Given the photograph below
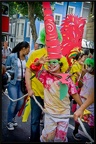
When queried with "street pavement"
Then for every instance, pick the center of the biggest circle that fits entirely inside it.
(22, 131)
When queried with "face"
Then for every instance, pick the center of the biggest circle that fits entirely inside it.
(89, 69)
(83, 58)
(36, 46)
(26, 50)
(54, 66)
(6, 44)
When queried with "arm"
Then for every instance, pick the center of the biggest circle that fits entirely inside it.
(28, 81)
(37, 64)
(74, 93)
(79, 112)
(8, 61)
(77, 98)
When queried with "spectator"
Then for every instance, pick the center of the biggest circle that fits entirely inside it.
(15, 59)
(5, 52)
(38, 44)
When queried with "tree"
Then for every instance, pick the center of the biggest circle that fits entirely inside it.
(31, 9)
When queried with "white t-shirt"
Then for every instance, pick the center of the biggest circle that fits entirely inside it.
(88, 89)
(88, 85)
(19, 68)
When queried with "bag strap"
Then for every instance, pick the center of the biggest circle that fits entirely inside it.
(21, 70)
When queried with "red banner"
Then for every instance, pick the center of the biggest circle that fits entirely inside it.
(5, 24)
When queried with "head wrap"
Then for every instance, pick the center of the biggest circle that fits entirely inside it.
(89, 61)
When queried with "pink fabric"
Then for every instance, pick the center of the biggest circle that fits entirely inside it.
(61, 133)
(45, 77)
(91, 120)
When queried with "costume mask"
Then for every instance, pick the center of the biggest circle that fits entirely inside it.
(53, 65)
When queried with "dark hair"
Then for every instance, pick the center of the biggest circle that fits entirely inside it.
(61, 64)
(19, 46)
(81, 54)
(77, 56)
(86, 51)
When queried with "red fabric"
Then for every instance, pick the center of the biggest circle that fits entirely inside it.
(22, 108)
(34, 67)
(72, 32)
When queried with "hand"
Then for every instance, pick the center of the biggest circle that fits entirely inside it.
(43, 59)
(78, 114)
(30, 92)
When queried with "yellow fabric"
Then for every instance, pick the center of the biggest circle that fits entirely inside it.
(76, 68)
(27, 111)
(37, 86)
(86, 112)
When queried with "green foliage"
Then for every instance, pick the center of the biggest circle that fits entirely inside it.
(22, 8)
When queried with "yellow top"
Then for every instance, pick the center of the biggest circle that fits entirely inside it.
(76, 68)
(37, 86)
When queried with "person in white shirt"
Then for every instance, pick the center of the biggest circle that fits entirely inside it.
(5, 52)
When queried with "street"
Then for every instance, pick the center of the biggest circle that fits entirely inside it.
(22, 131)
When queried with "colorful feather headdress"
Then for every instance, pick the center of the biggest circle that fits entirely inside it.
(72, 28)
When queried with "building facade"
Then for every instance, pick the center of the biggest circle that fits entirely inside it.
(20, 26)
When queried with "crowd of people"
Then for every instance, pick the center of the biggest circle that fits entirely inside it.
(44, 92)
(55, 86)
(44, 95)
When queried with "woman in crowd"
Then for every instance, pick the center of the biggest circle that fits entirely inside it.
(17, 61)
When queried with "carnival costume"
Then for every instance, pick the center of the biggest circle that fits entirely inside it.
(57, 87)
(56, 50)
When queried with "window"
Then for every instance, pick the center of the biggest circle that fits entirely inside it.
(13, 28)
(28, 32)
(58, 19)
(22, 28)
(60, 3)
(17, 29)
(71, 10)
